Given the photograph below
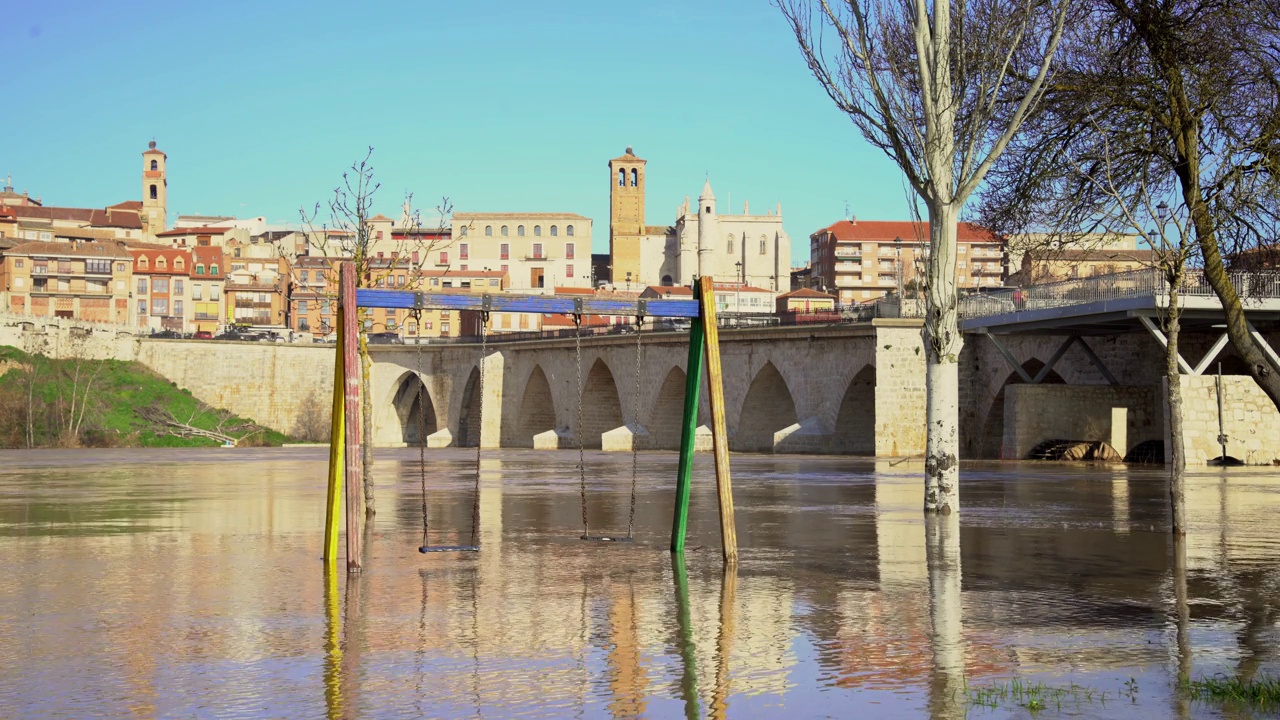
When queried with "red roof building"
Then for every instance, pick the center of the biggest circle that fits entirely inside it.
(863, 260)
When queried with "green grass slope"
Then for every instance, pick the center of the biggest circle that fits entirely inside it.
(105, 403)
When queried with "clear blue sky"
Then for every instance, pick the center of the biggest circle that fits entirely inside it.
(502, 106)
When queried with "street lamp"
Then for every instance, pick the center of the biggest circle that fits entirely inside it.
(897, 244)
(737, 299)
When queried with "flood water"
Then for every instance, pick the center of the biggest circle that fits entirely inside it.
(180, 583)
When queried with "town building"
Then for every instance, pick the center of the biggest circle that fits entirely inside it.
(208, 300)
(1048, 265)
(256, 292)
(805, 301)
(863, 260)
(160, 278)
(1041, 244)
(536, 251)
(195, 236)
(86, 281)
(748, 249)
(313, 295)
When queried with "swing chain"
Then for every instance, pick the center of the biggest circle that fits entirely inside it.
(422, 421)
(582, 468)
(484, 354)
(635, 410)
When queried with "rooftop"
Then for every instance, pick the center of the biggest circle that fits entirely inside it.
(111, 249)
(889, 230)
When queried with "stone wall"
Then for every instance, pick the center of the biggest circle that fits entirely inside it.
(1250, 420)
(286, 387)
(1118, 415)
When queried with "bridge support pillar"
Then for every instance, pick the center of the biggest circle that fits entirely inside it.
(900, 388)
(625, 439)
(493, 375)
(805, 436)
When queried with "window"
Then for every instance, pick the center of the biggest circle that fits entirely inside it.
(159, 307)
(504, 231)
(504, 269)
(464, 251)
(463, 231)
(142, 262)
(413, 327)
(520, 230)
(493, 282)
(378, 236)
(324, 307)
(155, 165)
(213, 269)
(142, 307)
(465, 284)
(97, 267)
(537, 251)
(197, 291)
(554, 231)
(537, 231)
(488, 231)
(635, 177)
(706, 210)
(568, 230)
(213, 292)
(304, 276)
(730, 246)
(153, 192)
(622, 177)
(179, 264)
(444, 258)
(444, 328)
(303, 325)
(435, 281)
(161, 263)
(159, 285)
(568, 251)
(177, 307)
(504, 252)
(236, 253)
(568, 271)
(382, 281)
(302, 307)
(415, 262)
(142, 286)
(463, 268)
(120, 267)
(764, 246)
(199, 269)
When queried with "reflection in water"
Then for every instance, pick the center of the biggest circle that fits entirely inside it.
(946, 688)
(179, 583)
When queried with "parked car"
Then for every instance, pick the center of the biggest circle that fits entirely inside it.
(385, 338)
(233, 335)
(167, 335)
(202, 335)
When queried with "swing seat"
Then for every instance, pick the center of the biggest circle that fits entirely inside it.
(605, 538)
(447, 548)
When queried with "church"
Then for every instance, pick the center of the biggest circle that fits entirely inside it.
(749, 249)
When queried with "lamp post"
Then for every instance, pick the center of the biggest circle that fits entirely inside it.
(737, 299)
(897, 245)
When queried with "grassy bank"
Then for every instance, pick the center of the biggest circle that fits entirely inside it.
(46, 402)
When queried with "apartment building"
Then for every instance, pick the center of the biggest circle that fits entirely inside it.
(87, 281)
(208, 300)
(536, 251)
(863, 260)
(313, 292)
(160, 278)
(257, 292)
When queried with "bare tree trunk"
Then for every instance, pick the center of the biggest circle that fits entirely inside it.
(1173, 378)
(366, 429)
(942, 342)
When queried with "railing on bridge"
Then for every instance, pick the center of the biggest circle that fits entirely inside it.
(1148, 282)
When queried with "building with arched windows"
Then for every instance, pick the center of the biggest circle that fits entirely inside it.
(536, 251)
(748, 249)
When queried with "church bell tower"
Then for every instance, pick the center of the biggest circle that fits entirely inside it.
(155, 188)
(626, 215)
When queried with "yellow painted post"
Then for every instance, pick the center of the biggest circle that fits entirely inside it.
(719, 430)
(337, 429)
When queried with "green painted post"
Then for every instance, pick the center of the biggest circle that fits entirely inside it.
(688, 432)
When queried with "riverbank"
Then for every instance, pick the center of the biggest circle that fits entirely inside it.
(76, 402)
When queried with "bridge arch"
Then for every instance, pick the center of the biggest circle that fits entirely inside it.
(992, 440)
(470, 415)
(537, 409)
(667, 414)
(601, 405)
(414, 409)
(768, 408)
(856, 421)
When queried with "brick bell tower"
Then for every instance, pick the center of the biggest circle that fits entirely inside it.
(626, 215)
(155, 190)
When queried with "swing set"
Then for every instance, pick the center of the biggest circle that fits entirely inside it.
(346, 476)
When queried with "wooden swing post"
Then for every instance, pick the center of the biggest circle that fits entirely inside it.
(350, 349)
(719, 430)
(688, 433)
(336, 454)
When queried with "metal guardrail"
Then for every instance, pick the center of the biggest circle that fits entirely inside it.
(1148, 282)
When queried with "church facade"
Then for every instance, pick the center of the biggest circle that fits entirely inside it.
(748, 249)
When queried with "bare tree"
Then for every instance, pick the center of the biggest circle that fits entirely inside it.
(341, 228)
(941, 90)
(1184, 99)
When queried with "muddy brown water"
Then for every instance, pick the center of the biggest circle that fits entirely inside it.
(180, 583)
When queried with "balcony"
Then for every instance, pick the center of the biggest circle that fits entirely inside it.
(538, 258)
(252, 287)
(207, 316)
(848, 252)
(252, 303)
